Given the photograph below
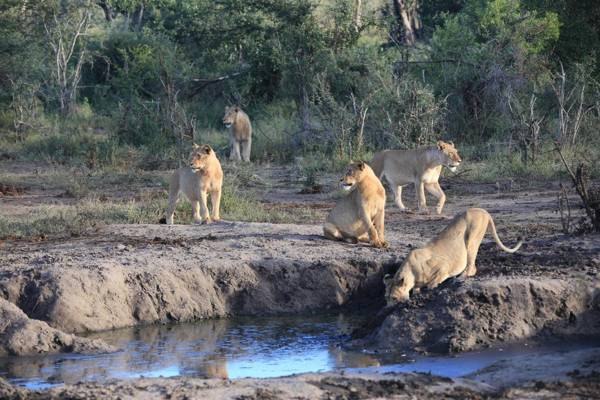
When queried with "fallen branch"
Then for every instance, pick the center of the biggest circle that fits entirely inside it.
(204, 82)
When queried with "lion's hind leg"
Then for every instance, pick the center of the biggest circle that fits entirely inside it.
(397, 190)
(364, 238)
(332, 232)
(474, 238)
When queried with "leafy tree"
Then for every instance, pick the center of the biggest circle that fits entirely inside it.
(484, 54)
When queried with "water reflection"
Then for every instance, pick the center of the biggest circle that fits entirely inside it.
(244, 347)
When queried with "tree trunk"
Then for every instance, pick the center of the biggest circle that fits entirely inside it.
(358, 15)
(138, 17)
(108, 12)
(407, 13)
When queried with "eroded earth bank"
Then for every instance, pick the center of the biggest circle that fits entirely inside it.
(125, 275)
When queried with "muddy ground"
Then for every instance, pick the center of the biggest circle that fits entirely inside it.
(339, 386)
(123, 275)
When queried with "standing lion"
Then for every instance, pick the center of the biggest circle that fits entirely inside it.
(359, 216)
(419, 166)
(240, 133)
(203, 176)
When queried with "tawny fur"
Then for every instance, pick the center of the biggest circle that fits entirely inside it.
(359, 216)
(449, 254)
(422, 167)
(240, 133)
(202, 177)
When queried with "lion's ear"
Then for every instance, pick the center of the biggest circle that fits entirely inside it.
(207, 149)
(361, 165)
(441, 144)
(236, 109)
(451, 143)
(387, 278)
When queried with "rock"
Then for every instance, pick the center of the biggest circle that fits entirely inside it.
(20, 335)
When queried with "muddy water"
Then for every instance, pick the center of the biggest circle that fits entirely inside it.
(234, 348)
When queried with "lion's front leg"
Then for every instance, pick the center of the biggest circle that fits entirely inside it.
(439, 271)
(376, 241)
(379, 226)
(215, 199)
(204, 208)
(421, 200)
(196, 212)
(235, 150)
(246, 148)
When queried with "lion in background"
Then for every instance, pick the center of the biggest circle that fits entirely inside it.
(358, 217)
(421, 167)
(452, 252)
(240, 133)
(203, 176)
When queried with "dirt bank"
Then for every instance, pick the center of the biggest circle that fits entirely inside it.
(479, 312)
(132, 274)
(20, 335)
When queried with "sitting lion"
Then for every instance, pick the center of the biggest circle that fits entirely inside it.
(449, 254)
(421, 167)
(203, 176)
(359, 215)
(240, 133)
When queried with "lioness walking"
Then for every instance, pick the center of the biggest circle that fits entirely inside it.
(240, 133)
(449, 254)
(421, 167)
(358, 216)
(203, 176)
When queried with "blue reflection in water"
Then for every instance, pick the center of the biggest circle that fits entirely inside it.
(242, 347)
(236, 348)
(280, 364)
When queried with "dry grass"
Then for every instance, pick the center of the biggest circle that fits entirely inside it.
(88, 199)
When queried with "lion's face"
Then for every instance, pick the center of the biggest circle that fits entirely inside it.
(231, 114)
(353, 175)
(451, 158)
(395, 291)
(199, 156)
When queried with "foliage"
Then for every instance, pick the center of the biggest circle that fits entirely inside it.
(153, 75)
(489, 52)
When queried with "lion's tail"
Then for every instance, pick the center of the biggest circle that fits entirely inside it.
(492, 229)
(377, 163)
